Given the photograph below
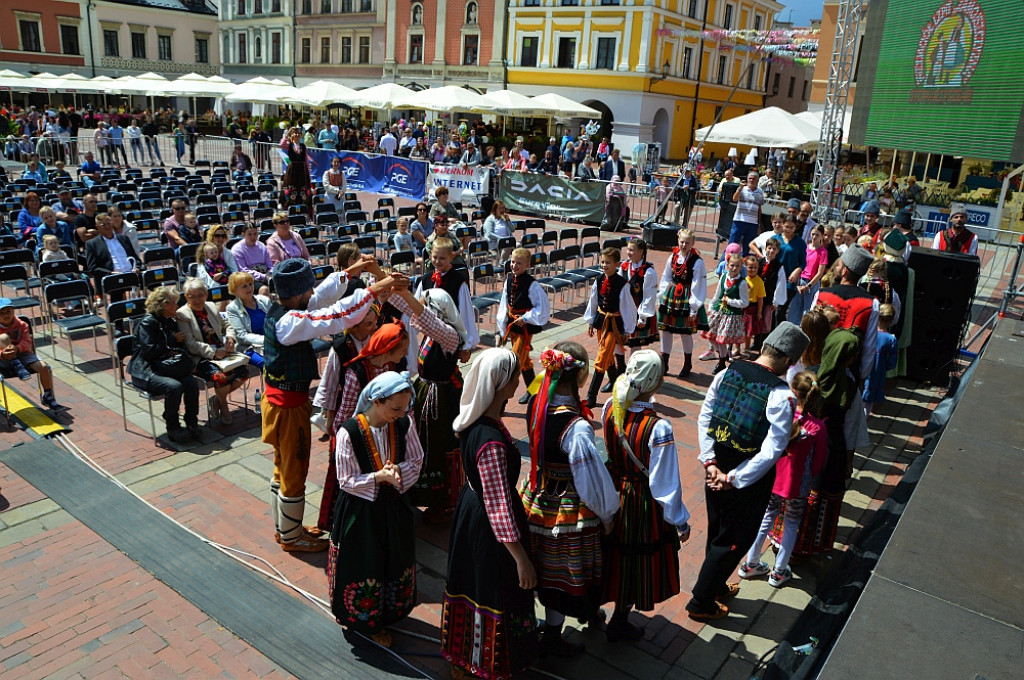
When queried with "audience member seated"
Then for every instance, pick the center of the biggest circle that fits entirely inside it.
(85, 222)
(251, 256)
(109, 253)
(161, 366)
(51, 226)
(496, 227)
(29, 219)
(18, 353)
(216, 263)
(123, 226)
(208, 338)
(90, 170)
(67, 208)
(246, 315)
(285, 243)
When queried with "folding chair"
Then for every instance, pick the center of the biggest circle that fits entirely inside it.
(118, 312)
(484, 301)
(71, 291)
(10, 275)
(405, 261)
(124, 347)
(159, 276)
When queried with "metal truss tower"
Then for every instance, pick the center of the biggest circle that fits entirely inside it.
(840, 74)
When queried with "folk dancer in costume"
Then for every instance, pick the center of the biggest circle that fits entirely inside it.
(371, 567)
(902, 279)
(438, 388)
(743, 428)
(774, 279)
(381, 353)
(569, 496)
(522, 313)
(803, 460)
(642, 279)
(725, 321)
(641, 555)
(335, 186)
(681, 294)
(488, 628)
(455, 282)
(845, 364)
(957, 238)
(611, 314)
(301, 314)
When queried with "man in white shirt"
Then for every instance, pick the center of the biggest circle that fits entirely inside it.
(749, 199)
(109, 253)
(743, 428)
(388, 144)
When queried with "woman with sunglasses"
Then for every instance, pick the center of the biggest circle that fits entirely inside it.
(285, 243)
(421, 227)
(216, 235)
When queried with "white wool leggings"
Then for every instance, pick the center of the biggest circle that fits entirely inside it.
(666, 343)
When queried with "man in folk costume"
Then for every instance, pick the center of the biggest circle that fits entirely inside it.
(743, 428)
(642, 279)
(903, 280)
(611, 314)
(642, 553)
(522, 313)
(957, 238)
(300, 315)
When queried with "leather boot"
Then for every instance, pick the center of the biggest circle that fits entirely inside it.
(664, 363)
(528, 378)
(687, 365)
(595, 386)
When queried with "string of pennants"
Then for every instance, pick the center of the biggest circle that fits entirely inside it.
(798, 46)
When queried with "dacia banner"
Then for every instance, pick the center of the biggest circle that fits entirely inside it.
(463, 183)
(375, 174)
(546, 195)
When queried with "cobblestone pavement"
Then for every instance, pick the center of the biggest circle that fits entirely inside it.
(74, 607)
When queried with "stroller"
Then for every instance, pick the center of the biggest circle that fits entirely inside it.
(616, 212)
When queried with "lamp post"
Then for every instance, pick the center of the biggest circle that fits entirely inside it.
(664, 74)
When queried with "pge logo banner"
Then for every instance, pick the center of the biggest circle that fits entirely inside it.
(404, 177)
(463, 183)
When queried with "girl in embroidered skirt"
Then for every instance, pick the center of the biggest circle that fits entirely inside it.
(568, 496)
(752, 314)
(803, 460)
(642, 280)
(725, 320)
(371, 566)
(381, 353)
(641, 557)
(681, 293)
(488, 628)
(611, 314)
(438, 389)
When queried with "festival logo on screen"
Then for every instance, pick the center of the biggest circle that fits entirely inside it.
(948, 54)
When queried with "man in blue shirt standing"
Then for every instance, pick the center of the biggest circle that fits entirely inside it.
(117, 143)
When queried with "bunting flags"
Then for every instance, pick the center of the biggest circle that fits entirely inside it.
(797, 45)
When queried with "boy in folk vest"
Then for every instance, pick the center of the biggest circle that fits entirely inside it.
(522, 313)
(611, 314)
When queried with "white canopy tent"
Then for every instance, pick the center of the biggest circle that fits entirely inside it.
(195, 85)
(383, 96)
(449, 98)
(320, 94)
(815, 119)
(770, 127)
(565, 107)
(510, 103)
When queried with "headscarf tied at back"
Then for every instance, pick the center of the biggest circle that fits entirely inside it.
(441, 302)
(557, 364)
(643, 373)
(383, 386)
(383, 340)
(491, 371)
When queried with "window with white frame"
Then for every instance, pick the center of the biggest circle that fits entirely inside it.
(111, 43)
(28, 31)
(325, 6)
(257, 6)
(163, 47)
(202, 50)
(687, 61)
(470, 50)
(240, 8)
(325, 50)
(305, 55)
(69, 39)
(416, 48)
(605, 58)
(529, 50)
(727, 19)
(243, 51)
(138, 45)
(275, 47)
(757, 22)
(566, 57)
(346, 50)
(364, 49)
(692, 9)
(723, 64)
(258, 50)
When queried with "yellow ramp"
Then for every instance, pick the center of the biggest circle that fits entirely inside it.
(27, 413)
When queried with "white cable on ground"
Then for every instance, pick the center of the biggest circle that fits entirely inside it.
(276, 576)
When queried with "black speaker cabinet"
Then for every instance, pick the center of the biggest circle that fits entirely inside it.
(660, 235)
(944, 288)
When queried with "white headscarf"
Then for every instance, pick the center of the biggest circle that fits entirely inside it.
(441, 302)
(643, 372)
(489, 373)
(383, 386)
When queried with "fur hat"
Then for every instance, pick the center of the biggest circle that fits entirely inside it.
(788, 339)
(293, 277)
(857, 260)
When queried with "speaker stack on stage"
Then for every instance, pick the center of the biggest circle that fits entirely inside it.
(944, 287)
(660, 235)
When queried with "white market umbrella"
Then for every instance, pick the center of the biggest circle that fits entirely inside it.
(75, 83)
(259, 91)
(195, 85)
(383, 96)
(449, 98)
(815, 118)
(510, 103)
(565, 107)
(12, 80)
(762, 128)
(321, 94)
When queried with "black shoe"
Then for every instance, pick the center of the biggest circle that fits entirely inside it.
(525, 399)
(623, 630)
(720, 367)
(607, 388)
(553, 644)
(178, 435)
(196, 433)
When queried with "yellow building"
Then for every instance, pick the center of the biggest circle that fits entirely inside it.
(629, 59)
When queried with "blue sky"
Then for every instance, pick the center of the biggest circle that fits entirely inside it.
(803, 11)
